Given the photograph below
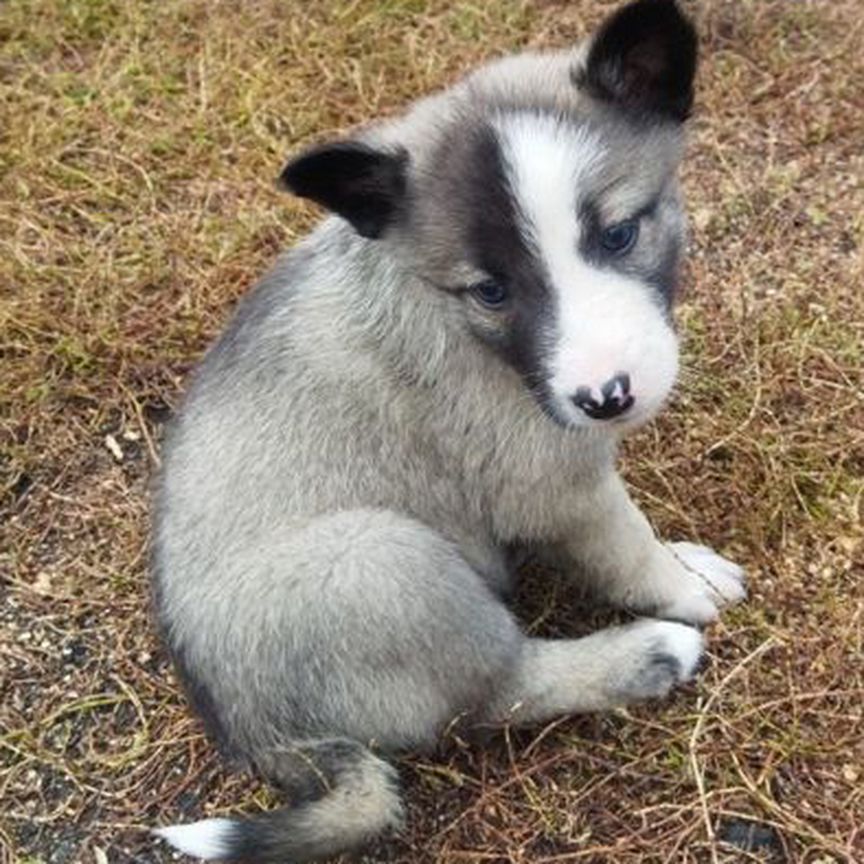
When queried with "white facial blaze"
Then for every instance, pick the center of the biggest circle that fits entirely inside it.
(605, 322)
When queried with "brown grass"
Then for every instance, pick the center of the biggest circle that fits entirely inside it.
(139, 143)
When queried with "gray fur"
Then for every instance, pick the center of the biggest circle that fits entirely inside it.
(349, 470)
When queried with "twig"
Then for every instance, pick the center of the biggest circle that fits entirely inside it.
(699, 726)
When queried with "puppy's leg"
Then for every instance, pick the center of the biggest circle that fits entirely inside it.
(626, 562)
(609, 668)
(371, 627)
(360, 624)
(366, 630)
(315, 646)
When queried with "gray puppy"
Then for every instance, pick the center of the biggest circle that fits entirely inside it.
(439, 374)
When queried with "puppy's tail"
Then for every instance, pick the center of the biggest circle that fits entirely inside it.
(344, 796)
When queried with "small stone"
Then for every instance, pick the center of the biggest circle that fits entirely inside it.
(42, 582)
(114, 448)
(749, 836)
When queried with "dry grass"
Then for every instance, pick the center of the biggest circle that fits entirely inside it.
(139, 143)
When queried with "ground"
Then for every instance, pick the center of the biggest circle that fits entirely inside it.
(138, 146)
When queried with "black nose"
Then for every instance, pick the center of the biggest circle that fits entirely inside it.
(616, 398)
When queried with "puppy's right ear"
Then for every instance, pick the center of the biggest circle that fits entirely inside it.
(364, 185)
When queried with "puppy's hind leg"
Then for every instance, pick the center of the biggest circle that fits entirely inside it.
(610, 668)
(356, 633)
(368, 628)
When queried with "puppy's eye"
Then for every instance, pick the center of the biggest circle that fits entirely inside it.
(490, 293)
(620, 237)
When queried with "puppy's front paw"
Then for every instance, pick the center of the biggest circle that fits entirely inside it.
(669, 654)
(705, 582)
(724, 577)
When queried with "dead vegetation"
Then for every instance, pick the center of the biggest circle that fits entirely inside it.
(138, 142)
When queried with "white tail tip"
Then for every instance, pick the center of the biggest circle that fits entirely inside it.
(208, 838)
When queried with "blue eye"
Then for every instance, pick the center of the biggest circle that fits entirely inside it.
(490, 293)
(620, 237)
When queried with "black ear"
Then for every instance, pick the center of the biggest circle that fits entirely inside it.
(644, 59)
(364, 185)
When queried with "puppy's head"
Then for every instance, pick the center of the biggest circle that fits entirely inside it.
(554, 223)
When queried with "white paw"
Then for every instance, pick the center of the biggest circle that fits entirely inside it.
(706, 582)
(669, 654)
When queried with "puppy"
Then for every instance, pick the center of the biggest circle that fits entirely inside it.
(440, 373)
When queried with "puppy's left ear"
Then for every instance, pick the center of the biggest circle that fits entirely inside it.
(364, 185)
(643, 60)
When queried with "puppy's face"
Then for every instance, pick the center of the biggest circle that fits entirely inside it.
(560, 237)
(557, 234)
